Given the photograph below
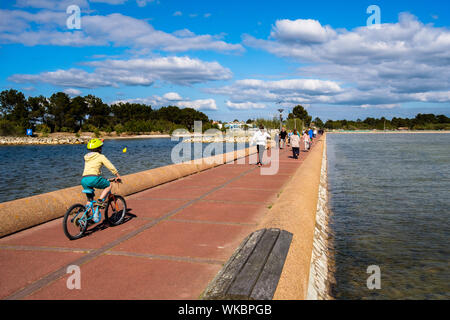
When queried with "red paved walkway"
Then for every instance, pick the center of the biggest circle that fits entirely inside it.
(177, 239)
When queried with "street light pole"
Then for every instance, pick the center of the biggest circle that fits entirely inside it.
(281, 118)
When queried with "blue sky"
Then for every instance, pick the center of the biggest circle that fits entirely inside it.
(235, 59)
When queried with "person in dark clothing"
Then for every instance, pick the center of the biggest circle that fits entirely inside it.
(283, 136)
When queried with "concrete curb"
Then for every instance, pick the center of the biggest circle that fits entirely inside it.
(24, 213)
(295, 212)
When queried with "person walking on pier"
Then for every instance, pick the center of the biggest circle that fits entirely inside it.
(289, 138)
(260, 138)
(295, 143)
(311, 134)
(306, 140)
(283, 135)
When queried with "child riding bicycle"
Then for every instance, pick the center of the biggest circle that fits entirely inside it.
(92, 178)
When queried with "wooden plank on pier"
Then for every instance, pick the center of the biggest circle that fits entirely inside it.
(254, 269)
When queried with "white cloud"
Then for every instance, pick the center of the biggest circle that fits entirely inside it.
(51, 4)
(177, 13)
(49, 28)
(397, 62)
(173, 98)
(254, 93)
(142, 3)
(62, 4)
(245, 105)
(112, 2)
(144, 72)
(304, 31)
(65, 78)
(201, 104)
(381, 106)
(73, 92)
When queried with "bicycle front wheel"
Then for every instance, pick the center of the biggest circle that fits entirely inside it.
(117, 208)
(75, 222)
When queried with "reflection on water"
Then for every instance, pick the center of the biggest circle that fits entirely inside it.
(389, 194)
(31, 170)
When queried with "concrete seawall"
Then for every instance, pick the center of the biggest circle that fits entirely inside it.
(295, 211)
(24, 213)
(320, 278)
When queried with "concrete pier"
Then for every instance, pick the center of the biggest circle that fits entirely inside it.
(175, 239)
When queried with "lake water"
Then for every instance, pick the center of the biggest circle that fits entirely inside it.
(390, 202)
(32, 170)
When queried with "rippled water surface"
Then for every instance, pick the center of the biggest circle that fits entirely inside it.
(390, 198)
(31, 170)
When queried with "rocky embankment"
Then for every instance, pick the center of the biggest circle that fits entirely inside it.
(42, 140)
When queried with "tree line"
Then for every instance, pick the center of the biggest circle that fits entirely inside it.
(62, 113)
(300, 119)
(420, 122)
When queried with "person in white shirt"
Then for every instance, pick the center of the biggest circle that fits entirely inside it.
(306, 140)
(260, 139)
(295, 143)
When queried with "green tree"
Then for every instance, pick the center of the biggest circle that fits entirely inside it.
(318, 122)
(59, 110)
(98, 112)
(300, 113)
(14, 107)
(39, 108)
(124, 112)
(78, 112)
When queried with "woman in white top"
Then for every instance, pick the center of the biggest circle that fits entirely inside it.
(295, 144)
(260, 138)
(306, 140)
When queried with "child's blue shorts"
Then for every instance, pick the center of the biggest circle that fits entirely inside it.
(94, 182)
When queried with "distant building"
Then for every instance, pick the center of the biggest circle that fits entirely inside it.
(235, 125)
(219, 125)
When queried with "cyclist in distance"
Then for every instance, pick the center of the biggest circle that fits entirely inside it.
(92, 175)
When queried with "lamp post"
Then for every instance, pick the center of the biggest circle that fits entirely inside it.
(281, 118)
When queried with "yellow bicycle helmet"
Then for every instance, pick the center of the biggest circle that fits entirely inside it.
(94, 144)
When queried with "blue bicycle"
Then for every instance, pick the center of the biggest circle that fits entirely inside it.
(79, 217)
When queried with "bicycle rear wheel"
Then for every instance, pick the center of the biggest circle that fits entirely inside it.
(117, 207)
(75, 222)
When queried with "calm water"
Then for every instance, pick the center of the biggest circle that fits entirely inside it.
(390, 197)
(31, 170)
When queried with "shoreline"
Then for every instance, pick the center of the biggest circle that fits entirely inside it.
(68, 140)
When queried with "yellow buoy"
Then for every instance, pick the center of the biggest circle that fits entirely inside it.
(124, 150)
